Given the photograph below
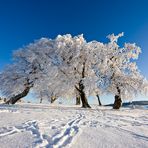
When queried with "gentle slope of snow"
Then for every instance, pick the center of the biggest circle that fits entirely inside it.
(35, 125)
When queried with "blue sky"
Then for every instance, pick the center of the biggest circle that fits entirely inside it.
(23, 21)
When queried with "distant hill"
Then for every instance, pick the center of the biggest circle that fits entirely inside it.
(132, 103)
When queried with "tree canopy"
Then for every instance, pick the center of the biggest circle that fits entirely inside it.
(71, 66)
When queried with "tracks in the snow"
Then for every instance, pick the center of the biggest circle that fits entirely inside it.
(65, 136)
(61, 138)
(29, 126)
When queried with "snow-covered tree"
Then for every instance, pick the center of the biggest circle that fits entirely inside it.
(119, 70)
(14, 82)
(36, 65)
(71, 67)
(17, 79)
(78, 59)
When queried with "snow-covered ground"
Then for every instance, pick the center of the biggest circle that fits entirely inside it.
(35, 125)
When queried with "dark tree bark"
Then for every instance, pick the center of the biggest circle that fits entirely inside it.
(53, 98)
(14, 99)
(82, 95)
(84, 100)
(41, 99)
(118, 101)
(28, 85)
(80, 89)
(100, 104)
(78, 100)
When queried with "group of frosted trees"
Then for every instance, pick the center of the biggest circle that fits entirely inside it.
(71, 67)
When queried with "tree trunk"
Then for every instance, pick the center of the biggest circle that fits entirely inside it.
(41, 99)
(80, 89)
(84, 100)
(77, 100)
(14, 99)
(100, 104)
(82, 95)
(53, 98)
(118, 101)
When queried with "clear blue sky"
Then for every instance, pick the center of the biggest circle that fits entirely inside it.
(22, 21)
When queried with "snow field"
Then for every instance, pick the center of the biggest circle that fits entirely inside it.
(44, 126)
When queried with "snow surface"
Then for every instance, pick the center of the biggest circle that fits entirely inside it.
(40, 125)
